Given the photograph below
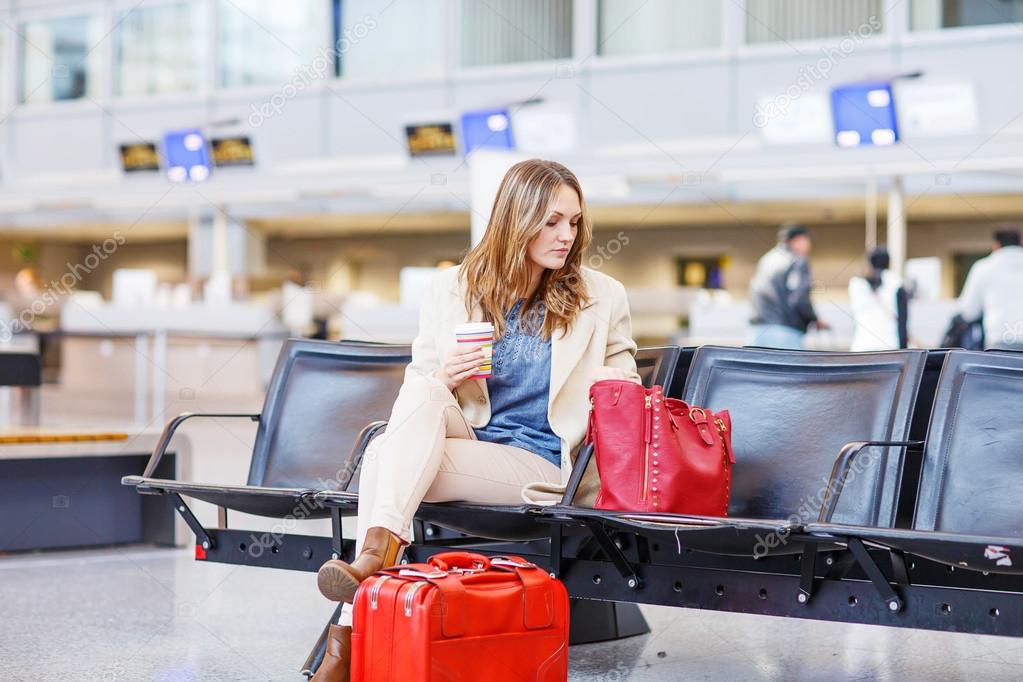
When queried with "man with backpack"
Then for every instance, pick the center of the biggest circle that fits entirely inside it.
(780, 292)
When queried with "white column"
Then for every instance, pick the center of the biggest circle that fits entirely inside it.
(896, 16)
(159, 376)
(871, 212)
(733, 25)
(141, 376)
(200, 245)
(208, 257)
(219, 243)
(452, 38)
(584, 29)
(486, 170)
(897, 226)
(246, 249)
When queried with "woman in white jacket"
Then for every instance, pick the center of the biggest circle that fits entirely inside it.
(558, 328)
(878, 303)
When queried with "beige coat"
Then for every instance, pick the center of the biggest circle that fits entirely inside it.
(600, 335)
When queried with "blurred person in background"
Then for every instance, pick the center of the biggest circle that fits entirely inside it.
(28, 287)
(879, 304)
(31, 304)
(780, 292)
(994, 292)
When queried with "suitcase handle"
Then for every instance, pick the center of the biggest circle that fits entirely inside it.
(447, 561)
(509, 562)
(455, 570)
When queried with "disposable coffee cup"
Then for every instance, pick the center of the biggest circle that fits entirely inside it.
(478, 334)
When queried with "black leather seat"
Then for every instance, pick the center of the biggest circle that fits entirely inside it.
(322, 401)
(968, 513)
(792, 411)
(656, 365)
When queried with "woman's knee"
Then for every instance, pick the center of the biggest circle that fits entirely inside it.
(419, 391)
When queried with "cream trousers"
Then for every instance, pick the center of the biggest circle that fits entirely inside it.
(429, 452)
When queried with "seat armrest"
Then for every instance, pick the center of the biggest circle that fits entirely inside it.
(172, 426)
(840, 471)
(582, 460)
(368, 433)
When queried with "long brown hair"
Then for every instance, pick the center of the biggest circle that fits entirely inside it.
(496, 271)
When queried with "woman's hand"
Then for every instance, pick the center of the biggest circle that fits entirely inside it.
(460, 364)
(601, 373)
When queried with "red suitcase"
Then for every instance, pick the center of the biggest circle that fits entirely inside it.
(461, 617)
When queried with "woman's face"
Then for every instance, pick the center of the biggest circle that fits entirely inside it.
(549, 248)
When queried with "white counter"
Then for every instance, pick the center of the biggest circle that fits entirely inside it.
(66, 489)
(237, 320)
(156, 354)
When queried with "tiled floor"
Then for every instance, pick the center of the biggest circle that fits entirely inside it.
(152, 614)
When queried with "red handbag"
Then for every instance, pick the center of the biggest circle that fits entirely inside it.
(657, 454)
(461, 616)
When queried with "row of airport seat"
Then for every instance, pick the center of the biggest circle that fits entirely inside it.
(858, 465)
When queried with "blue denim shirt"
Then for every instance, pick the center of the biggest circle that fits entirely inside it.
(519, 391)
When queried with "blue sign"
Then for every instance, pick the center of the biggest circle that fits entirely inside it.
(864, 114)
(486, 128)
(187, 156)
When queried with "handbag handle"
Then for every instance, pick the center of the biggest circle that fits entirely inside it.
(447, 561)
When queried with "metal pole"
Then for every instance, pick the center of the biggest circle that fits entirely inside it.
(871, 212)
(5, 405)
(141, 376)
(221, 258)
(159, 374)
(897, 226)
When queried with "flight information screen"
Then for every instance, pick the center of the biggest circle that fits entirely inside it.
(139, 157)
(430, 139)
(488, 128)
(864, 114)
(187, 155)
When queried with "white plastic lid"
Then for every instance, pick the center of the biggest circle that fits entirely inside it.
(474, 328)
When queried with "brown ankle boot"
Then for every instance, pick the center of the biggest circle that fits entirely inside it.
(338, 580)
(337, 661)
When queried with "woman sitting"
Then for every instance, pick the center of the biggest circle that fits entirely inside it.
(558, 327)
